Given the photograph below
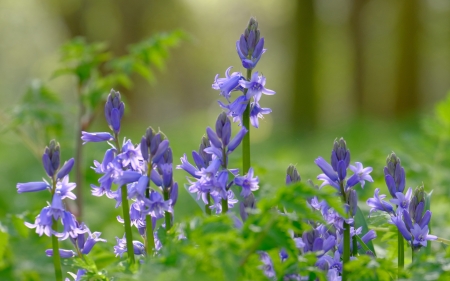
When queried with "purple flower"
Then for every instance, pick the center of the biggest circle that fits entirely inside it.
(250, 46)
(114, 109)
(333, 275)
(402, 201)
(92, 239)
(255, 87)
(267, 265)
(64, 254)
(401, 227)
(71, 227)
(43, 222)
(378, 204)
(32, 186)
(421, 236)
(327, 169)
(95, 137)
(256, 113)
(236, 108)
(247, 182)
(188, 167)
(237, 139)
(228, 84)
(131, 155)
(361, 175)
(156, 205)
(65, 169)
(394, 175)
(51, 158)
(64, 187)
(121, 247)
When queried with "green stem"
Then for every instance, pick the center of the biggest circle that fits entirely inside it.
(56, 257)
(167, 215)
(401, 252)
(127, 224)
(79, 154)
(149, 241)
(224, 206)
(246, 124)
(55, 245)
(412, 253)
(207, 209)
(355, 246)
(346, 257)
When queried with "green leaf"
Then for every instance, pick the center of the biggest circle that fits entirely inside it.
(361, 221)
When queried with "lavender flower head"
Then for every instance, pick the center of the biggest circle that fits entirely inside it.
(394, 175)
(114, 109)
(250, 46)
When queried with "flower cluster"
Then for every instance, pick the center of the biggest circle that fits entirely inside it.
(410, 216)
(60, 188)
(132, 168)
(250, 48)
(211, 175)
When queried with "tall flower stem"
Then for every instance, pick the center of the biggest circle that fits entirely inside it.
(56, 257)
(149, 241)
(224, 166)
(79, 153)
(346, 257)
(126, 211)
(401, 252)
(127, 223)
(207, 206)
(246, 124)
(167, 214)
(55, 244)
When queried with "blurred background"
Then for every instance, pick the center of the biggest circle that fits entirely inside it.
(370, 71)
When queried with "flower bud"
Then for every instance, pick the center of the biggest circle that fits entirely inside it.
(114, 109)
(394, 175)
(417, 202)
(223, 128)
(340, 153)
(51, 158)
(292, 175)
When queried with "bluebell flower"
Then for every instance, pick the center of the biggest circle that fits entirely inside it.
(402, 201)
(340, 153)
(234, 143)
(131, 156)
(255, 87)
(92, 239)
(156, 205)
(236, 108)
(64, 254)
(394, 175)
(71, 227)
(43, 222)
(257, 112)
(51, 158)
(80, 273)
(378, 204)
(65, 169)
(250, 46)
(247, 182)
(64, 187)
(421, 236)
(96, 137)
(361, 175)
(114, 109)
(121, 247)
(292, 175)
(267, 266)
(32, 186)
(228, 84)
(333, 275)
(188, 167)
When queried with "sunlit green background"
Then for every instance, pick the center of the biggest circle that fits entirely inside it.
(370, 71)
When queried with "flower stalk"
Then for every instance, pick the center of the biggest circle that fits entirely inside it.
(246, 123)
(401, 252)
